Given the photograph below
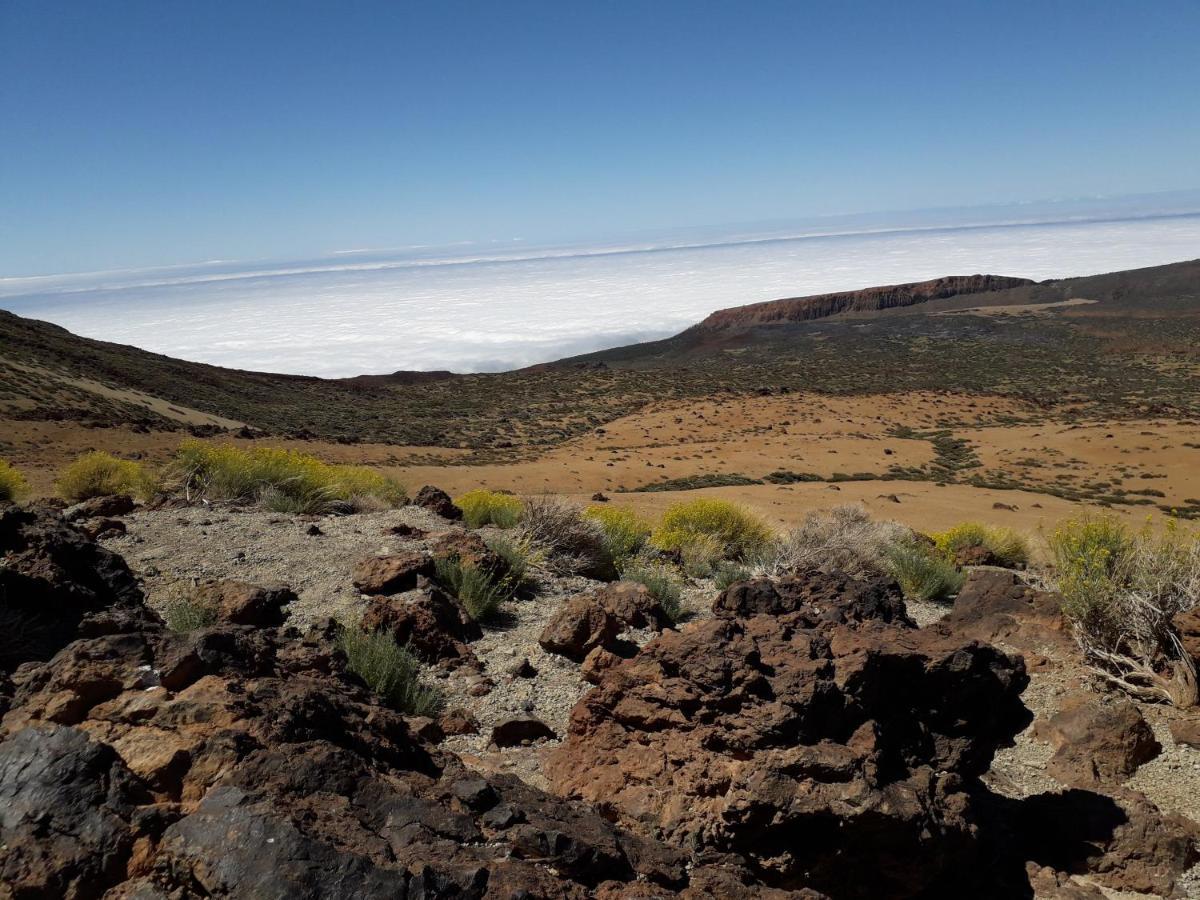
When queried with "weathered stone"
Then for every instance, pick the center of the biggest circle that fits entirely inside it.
(996, 605)
(434, 624)
(1097, 743)
(438, 502)
(592, 620)
(239, 603)
(391, 574)
(99, 507)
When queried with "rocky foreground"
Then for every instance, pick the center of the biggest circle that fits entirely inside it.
(807, 740)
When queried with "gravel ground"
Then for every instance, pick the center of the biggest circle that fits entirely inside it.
(173, 549)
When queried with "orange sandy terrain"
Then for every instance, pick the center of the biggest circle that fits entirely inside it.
(755, 436)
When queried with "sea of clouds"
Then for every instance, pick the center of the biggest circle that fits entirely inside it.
(469, 309)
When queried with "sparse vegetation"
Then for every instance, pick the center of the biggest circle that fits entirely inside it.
(12, 482)
(282, 480)
(388, 669)
(572, 542)
(481, 507)
(625, 532)
(923, 575)
(845, 538)
(1120, 591)
(731, 531)
(662, 584)
(183, 614)
(99, 474)
(1007, 546)
(480, 592)
(519, 558)
(727, 574)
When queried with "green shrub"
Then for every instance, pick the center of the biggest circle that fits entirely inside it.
(99, 474)
(183, 614)
(518, 556)
(736, 531)
(625, 532)
(923, 575)
(1006, 545)
(478, 590)
(388, 669)
(663, 586)
(1090, 556)
(729, 574)
(12, 482)
(482, 507)
(282, 480)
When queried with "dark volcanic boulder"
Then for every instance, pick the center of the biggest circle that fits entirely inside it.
(826, 740)
(67, 811)
(996, 605)
(434, 624)
(56, 584)
(821, 596)
(100, 508)
(438, 502)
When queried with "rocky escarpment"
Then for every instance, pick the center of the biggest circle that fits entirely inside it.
(821, 306)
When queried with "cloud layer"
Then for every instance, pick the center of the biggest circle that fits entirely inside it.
(486, 312)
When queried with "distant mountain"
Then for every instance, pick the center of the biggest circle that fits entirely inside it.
(1125, 340)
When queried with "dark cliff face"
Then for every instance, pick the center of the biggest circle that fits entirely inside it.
(820, 306)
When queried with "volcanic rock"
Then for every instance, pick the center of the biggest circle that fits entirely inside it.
(433, 623)
(99, 508)
(56, 585)
(391, 574)
(592, 620)
(239, 603)
(996, 605)
(1096, 743)
(438, 502)
(821, 735)
(469, 548)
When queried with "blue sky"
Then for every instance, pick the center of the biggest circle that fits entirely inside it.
(141, 133)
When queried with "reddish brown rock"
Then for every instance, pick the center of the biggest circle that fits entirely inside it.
(469, 548)
(753, 735)
(594, 619)
(240, 603)
(391, 574)
(596, 663)
(1187, 624)
(438, 502)
(975, 555)
(100, 508)
(1097, 742)
(434, 624)
(1186, 732)
(459, 721)
(995, 605)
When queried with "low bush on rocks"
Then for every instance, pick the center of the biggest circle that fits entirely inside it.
(923, 575)
(625, 532)
(482, 507)
(729, 573)
(717, 527)
(518, 556)
(662, 585)
(845, 539)
(12, 482)
(388, 669)
(1121, 591)
(184, 614)
(99, 474)
(283, 480)
(1004, 545)
(478, 590)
